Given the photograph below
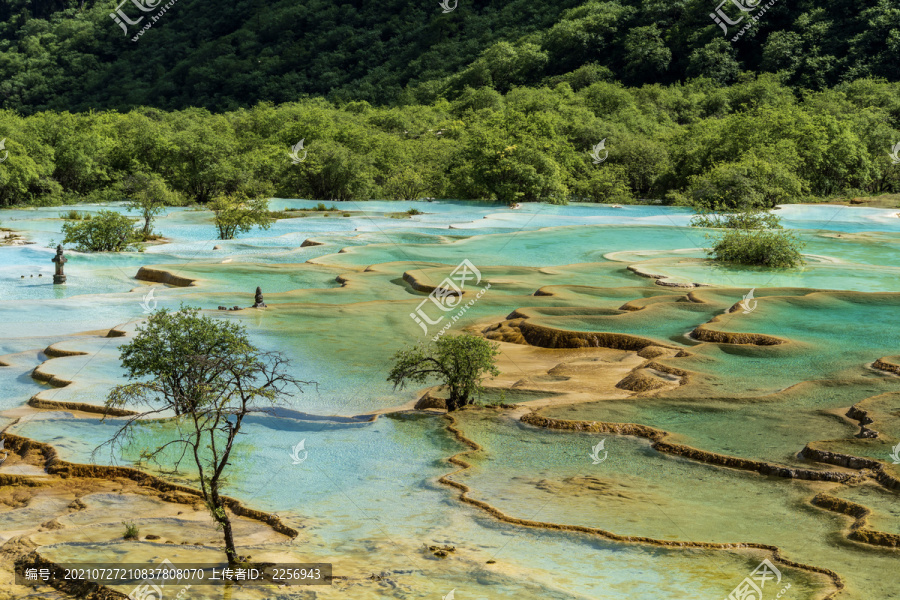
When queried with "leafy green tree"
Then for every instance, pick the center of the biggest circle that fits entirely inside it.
(646, 54)
(149, 194)
(238, 213)
(608, 184)
(752, 183)
(458, 362)
(406, 183)
(332, 171)
(211, 377)
(107, 231)
(717, 60)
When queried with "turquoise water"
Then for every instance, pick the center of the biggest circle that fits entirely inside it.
(373, 484)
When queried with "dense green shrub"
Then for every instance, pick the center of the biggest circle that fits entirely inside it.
(761, 247)
(107, 231)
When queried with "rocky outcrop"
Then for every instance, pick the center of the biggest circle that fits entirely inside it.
(36, 402)
(705, 334)
(654, 352)
(309, 242)
(640, 380)
(548, 337)
(883, 364)
(429, 401)
(52, 351)
(859, 531)
(876, 468)
(161, 276)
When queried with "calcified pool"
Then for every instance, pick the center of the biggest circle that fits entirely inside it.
(606, 316)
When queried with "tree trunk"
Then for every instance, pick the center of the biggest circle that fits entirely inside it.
(221, 517)
(230, 550)
(455, 401)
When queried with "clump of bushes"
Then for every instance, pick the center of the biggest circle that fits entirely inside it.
(74, 215)
(131, 531)
(414, 211)
(108, 231)
(763, 247)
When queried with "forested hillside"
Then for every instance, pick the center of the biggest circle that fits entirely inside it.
(70, 55)
(753, 141)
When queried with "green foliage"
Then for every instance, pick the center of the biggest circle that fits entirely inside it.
(108, 231)
(207, 373)
(64, 56)
(751, 143)
(149, 194)
(458, 362)
(761, 247)
(750, 183)
(131, 531)
(742, 219)
(236, 213)
(74, 215)
(413, 212)
(606, 184)
(164, 349)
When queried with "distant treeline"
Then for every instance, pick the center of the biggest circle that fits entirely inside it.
(70, 55)
(702, 140)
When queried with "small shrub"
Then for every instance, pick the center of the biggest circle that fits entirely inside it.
(131, 531)
(346, 214)
(762, 247)
(413, 212)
